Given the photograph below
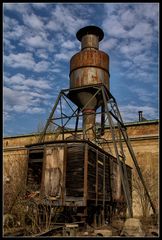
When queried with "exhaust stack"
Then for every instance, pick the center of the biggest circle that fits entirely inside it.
(89, 67)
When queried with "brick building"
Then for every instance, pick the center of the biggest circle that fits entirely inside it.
(144, 137)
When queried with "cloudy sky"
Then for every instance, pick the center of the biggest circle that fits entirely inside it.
(40, 38)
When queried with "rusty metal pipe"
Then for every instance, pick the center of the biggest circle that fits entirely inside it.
(89, 119)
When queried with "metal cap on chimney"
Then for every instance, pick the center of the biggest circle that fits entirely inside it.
(90, 37)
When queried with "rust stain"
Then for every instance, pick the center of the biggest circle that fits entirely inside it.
(94, 58)
(89, 67)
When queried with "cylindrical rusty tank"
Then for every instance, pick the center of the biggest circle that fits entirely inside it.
(89, 67)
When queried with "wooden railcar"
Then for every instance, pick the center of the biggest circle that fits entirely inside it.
(77, 175)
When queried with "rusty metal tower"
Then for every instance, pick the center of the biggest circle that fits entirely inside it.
(88, 96)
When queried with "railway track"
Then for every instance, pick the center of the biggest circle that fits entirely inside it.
(53, 231)
(60, 229)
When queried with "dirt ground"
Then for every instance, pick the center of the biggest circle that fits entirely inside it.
(150, 228)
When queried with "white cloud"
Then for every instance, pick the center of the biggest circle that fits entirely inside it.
(61, 56)
(52, 25)
(26, 100)
(149, 11)
(40, 38)
(24, 60)
(124, 22)
(13, 30)
(39, 5)
(27, 37)
(126, 64)
(41, 66)
(42, 53)
(39, 95)
(37, 83)
(130, 112)
(35, 41)
(9, 6)
(136, 73)
(65, 55)
(35, 110)
(109, 44)
(14, 98)
(9, 23)
(68, 44)
(143, 93)
(128, 18)
(132, 48)
(20, 79)
(20, 87)
(56, 70)
(6, 116)
(33, 21)
(8, 46)
(22, 107)
(113, 27)
(142, 59)
(131, 30)
(66, 20)
(141, 30)
(18, 7)
(111, 8)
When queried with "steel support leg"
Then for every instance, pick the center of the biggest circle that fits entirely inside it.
(118, 117)
(123, 178)
(41, 139)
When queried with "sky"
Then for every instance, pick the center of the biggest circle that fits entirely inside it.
(40, 38)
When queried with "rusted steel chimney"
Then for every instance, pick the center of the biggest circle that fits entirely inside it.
(140, 116)
(89, 67)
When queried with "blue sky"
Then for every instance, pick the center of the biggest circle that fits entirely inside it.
(40, 38)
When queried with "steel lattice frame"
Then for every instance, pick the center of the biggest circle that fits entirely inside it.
(112, 113)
